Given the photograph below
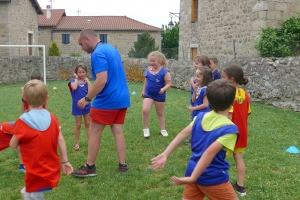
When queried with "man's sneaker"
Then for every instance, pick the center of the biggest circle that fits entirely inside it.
(123, 167)
(164, 133)
(146, 132)
(240, 190)
(84, 171)
(188, 142)
(22, 170)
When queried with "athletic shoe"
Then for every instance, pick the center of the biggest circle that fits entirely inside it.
(146, 132)
(188, 142)
(84, 171)
(240, 190)
(123, 167)
(164, 133)
(22, 170)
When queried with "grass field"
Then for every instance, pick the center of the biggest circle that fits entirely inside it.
(271, 172)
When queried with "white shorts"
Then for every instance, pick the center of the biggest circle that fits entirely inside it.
(32, 195)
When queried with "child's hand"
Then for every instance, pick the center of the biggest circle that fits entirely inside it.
(75, 75)
(159, 161)
(67, 168)
(190, 108)
(181, 181)
(142, 94)
(161, 91)
(86, 79)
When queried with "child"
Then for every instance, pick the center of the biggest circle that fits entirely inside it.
(157, 81)
(38, 76)
(239, 115)
(38, 135)
(199, 98)
(6, 133)
(212, 134)
(79, 86)
(213, 65)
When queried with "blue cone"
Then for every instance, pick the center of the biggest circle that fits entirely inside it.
(292, 149)
(133, 92)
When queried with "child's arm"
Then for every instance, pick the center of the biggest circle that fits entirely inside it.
(193, 84)
(161, 159)
(88, 82)
(66, 166)
(74, 84)
(168, 82)
(144, 88)
(14, 142)
(202, 164)
(203, 105)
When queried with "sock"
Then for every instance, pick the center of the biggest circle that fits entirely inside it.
(90, 166)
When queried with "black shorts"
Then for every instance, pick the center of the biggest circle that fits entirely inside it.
(158, 100)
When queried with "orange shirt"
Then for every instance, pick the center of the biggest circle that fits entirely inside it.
(240, 111)
(39, 153)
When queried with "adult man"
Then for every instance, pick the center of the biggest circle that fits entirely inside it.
(111, 101)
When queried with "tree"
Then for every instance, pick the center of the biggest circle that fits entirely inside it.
(170, 41)
(143, 46)
(53, 50)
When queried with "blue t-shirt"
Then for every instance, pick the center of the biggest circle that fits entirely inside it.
(201, 92)
(216, 75)
(154, 83)
(79, 93)
(115, 94)
(202, 138)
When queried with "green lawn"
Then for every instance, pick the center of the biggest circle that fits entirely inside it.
(271, 172)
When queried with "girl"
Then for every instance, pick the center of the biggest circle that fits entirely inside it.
(157, 81)
(199, 99)
(79, 86)
(239, 116)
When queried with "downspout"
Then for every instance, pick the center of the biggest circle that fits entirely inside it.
(52, 33)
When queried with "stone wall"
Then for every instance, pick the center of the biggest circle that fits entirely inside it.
(227, 27)
(273, 81)
(122, 40)
(20, 20)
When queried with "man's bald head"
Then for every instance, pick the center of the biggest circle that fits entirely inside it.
(87, 33)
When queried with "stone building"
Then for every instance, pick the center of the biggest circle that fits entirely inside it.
(228, 28)
(19, 26)
(119, 31)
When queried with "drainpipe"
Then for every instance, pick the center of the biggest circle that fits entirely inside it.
(52, 33)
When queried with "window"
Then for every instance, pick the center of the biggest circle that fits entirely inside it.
(103, 37)
(194, 53)
(139, 35)
(65, 38)
(194, 10)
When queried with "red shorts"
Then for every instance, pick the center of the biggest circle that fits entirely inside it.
(108, 117)
(223, 191)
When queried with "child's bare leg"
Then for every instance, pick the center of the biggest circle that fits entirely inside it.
(147, 104)
(160, 114)
(77, 129)
(87, 124)
(240, 168)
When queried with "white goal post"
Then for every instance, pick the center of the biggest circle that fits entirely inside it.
(44, 55)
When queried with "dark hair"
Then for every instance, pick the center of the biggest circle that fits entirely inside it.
(207, 74)
(82, 66)
(36, 75)
(220, 94)
(203, 59)
(214, 59)
(236, 72)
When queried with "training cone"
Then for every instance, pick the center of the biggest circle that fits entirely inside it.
(133, 92)
(292, 149)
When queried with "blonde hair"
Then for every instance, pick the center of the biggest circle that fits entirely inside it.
(160, 57)
(35, 93)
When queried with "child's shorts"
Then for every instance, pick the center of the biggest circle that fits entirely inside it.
(237, 150)
(223, 191)
(32, 195)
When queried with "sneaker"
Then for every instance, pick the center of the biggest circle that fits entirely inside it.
(240, 190)
(84, 171)
(123, 167)
(188, 142)
(164, 133)
(146, 132)
(22, 170)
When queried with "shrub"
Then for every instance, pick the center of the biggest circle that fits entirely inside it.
(53, 50)
(143, 46)
(73, 54)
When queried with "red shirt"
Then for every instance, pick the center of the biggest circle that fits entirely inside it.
(39, 153)
(240, 111)
(6, 131)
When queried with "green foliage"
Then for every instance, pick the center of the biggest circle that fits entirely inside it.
(280, 42)
(143, 46)
(53, 50)
(73, 54)
(170, 41)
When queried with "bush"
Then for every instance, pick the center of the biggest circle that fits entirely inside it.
(280, 42)
(53, 50)
(143, 46)
(75, 54)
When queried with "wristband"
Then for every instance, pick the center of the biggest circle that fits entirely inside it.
(64, 162)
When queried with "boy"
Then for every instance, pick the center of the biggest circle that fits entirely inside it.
(212, 134)
(213, 65)
(6, 133)
(38, 135)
